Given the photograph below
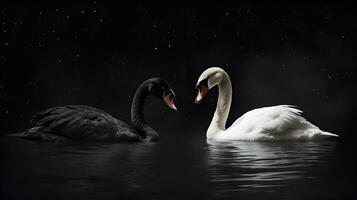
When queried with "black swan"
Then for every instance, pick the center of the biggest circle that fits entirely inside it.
(79, 122)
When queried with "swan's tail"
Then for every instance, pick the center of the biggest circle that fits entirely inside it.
(31, 134)
(39, 136)
(19, 135)
(326, 135)
(317, 134)
(25, 135)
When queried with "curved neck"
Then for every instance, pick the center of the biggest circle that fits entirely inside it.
(220, 116)
(137, 116)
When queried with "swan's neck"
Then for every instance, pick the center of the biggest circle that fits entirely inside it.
(137, 116)
(220, 116)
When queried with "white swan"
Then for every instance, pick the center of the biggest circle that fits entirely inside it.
(281, 122)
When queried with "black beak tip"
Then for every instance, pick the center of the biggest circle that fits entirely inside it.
(197, 102)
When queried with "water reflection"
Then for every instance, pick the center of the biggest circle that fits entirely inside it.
(249, 166)
(186, 168)
(73, 170)
(124, 166)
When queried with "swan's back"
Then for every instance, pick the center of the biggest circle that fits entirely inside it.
(281, 122)
(79, 122)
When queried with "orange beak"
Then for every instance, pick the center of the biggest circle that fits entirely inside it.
(169, 102)
(201, 93)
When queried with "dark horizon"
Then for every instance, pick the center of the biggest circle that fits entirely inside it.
(98, 54)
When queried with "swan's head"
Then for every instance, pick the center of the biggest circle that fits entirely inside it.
(208, 79)
(162, 90)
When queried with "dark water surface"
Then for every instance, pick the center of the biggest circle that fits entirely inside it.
(177, 168)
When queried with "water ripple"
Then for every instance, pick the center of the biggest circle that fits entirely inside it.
(238, 165)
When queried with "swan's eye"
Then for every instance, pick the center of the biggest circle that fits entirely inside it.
(172, 95)
(169, 93)
(204, 82)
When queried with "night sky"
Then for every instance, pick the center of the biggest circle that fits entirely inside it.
(97, 54)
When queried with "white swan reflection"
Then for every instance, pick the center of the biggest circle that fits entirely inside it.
(240, 165)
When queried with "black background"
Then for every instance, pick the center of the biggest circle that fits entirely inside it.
(97, 54)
